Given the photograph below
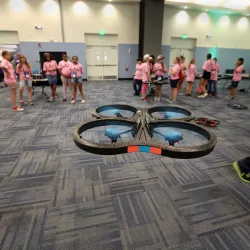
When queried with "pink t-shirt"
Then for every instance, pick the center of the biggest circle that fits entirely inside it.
(7, 65)
(76, 70)
(139, 71)
(24, 72)
(215, 72)
(145, 70)
(176, 69)
(65, 68)
(237, 73)
(158, 69)
(191, 73)
(208, 66)
(50, 68)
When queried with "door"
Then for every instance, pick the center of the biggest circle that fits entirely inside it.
(101, 57)
(57, 56)
(94, 62)
(110, 62)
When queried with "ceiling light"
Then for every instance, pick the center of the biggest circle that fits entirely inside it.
(110, 0)
(185, 7)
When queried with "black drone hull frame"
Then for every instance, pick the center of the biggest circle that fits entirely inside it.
(144, 123)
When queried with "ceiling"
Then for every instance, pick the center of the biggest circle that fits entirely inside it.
(232, 6)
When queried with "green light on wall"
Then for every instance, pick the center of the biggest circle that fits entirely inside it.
(101, 32)
(184, 36)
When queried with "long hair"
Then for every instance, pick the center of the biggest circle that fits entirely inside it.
(178, 59)
(26, 63)
(191, 62)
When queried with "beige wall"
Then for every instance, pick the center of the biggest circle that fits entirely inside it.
(227, 32)
(79, 18)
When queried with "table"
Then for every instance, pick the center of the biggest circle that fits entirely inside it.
(39, 81)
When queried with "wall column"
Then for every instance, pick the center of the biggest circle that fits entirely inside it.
(151, 25)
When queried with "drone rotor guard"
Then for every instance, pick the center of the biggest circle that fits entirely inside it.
(144, 123)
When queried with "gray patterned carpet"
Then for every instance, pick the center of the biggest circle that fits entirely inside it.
(55, 196)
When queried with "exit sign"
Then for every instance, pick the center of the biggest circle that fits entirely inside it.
(101, 32)
(184, 36)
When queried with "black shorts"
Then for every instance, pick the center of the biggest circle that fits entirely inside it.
(206, 75)
(173, 83)
(235, 84)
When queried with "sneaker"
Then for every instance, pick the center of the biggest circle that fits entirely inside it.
(64, 99)
(31, 103)
(56, 98)
(83, 101)
(21, 104)
(50, 99)
(180, 94)
(230, 97)
(200, 96)
(18, 109)
(205, 95)
(73, 101)
(158, 99)
(243, 176)
(170, 100)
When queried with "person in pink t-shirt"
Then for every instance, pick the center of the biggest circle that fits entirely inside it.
(191, 73)
(212, 89)
(174, 78)
(238, 68)
(64, 69)
(138, 77)
(181, 74)
(76, 74)
(207, 68)
(50, 69)
(25, 74)
(10, 78)
(145, 76)
(159, 70)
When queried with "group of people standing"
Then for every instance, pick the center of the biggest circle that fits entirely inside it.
(71, 76)
(178, 73)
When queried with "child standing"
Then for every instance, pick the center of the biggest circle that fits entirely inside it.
(181, 74)
(174, 78)
(160, 70)
(138, 77)
(191, 73)
(25, 72)
(76, 74)
(212, 89)
(145, 76)
(64, 67)
(208, 68)
(10, 78)
(238, 68)
(50, 69)
(151, 63)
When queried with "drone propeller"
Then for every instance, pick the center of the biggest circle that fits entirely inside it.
(172, 137)
(113, 134)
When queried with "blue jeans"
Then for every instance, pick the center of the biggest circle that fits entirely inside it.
(137, 86)
(212, 88)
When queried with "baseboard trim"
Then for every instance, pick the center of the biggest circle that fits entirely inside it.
(125, 79)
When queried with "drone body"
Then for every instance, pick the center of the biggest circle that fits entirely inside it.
(143, 132)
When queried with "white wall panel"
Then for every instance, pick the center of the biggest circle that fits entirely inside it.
(227, 31)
